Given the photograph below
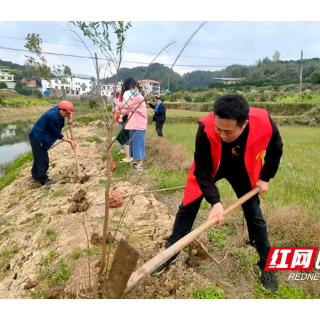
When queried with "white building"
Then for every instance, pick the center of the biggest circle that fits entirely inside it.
(56, 84)
(7, 78)
(77, 84)
(227, 80)
(8, 132)
(150, 87)
(108, 88)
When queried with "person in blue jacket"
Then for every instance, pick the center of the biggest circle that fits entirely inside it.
(44, 134)
(159, 115)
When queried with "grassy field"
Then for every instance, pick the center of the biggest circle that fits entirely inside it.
(181, 113)
(296, 181)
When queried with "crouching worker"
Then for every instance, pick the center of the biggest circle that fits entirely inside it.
(44, 134)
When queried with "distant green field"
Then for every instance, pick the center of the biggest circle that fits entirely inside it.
(182, 113)
(296, 183)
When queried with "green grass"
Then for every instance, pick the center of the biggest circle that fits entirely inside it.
(75, 254)
(123, 168)
(59, 193)
(35, 222)
(219, 236)
(7, 254)
(13, 170)
(55, 275)
(3, 222)
(94, 139)
(181, 113)
(284, 292)
(246, 257)
(51, 235)
(296, 182)
(47, 261)
(168, 180)
(94, 252)
(179, 133)
(30, 204)
(87, 118)
(208, 293)
(5, 257)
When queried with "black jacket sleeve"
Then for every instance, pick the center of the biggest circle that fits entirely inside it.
(161, 110)
(273, 154)
(152, 106)
(204, 168)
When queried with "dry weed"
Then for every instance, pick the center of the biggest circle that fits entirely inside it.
(161, 154)
(293, 227)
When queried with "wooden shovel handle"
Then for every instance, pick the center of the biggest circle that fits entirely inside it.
(70, 128)
(75, 152)
(159, 259)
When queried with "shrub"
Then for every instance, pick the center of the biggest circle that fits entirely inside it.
(188, 98)
(93, 104)
(38, 94)
(3, 85)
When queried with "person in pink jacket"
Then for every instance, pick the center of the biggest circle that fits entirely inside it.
(135, 107)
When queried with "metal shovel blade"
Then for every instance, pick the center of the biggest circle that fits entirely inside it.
(124, 263)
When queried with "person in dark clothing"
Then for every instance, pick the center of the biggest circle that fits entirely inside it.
(142, 91)
(159, 115)
(114, 94)
(230, 143)
(44, 134)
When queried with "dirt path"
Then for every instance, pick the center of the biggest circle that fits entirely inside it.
(8, 115)
(42, 226)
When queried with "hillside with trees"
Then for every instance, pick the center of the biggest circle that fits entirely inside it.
(265, 72)
(155, 71)
(19, 71)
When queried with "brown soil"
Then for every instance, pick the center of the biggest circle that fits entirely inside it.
(29, 211)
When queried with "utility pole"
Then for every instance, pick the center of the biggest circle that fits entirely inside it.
(168, 81)
(300, 89)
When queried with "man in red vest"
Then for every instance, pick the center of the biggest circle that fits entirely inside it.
(230, 143)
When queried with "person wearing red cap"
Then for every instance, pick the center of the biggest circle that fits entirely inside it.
(44, 134)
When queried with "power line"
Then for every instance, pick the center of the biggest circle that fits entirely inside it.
(172, 55)
(87, 57)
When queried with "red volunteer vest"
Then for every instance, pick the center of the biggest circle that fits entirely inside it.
(260, 131)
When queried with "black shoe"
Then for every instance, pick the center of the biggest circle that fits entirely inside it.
(49, 182)
(269, 281)
(164, 266)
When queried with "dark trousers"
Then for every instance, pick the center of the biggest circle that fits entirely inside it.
(257, 227)
(40, 161)
(159, 126)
